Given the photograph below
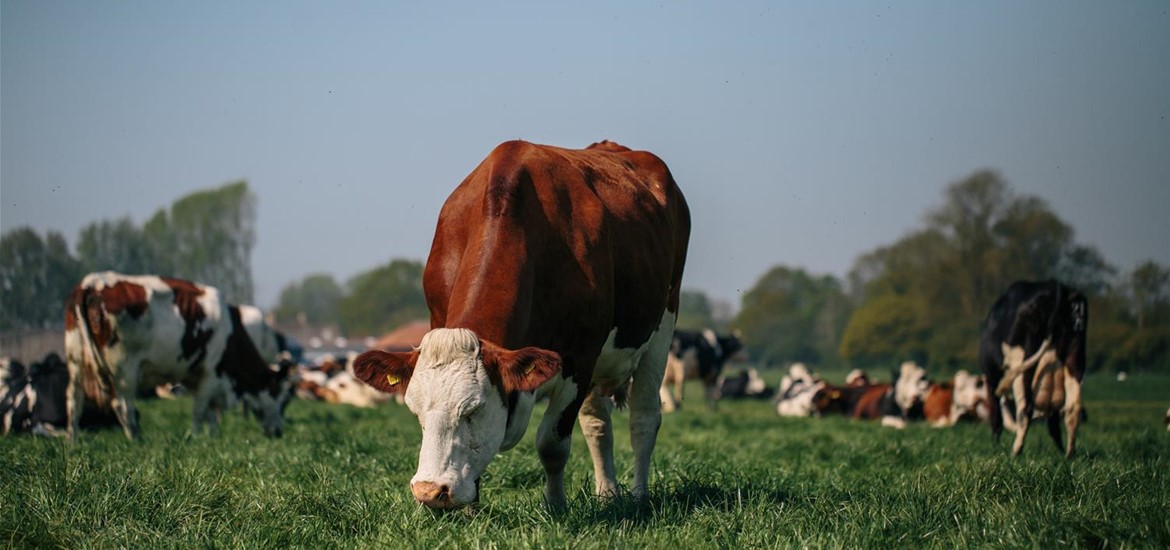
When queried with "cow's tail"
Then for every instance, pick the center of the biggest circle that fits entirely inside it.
(1014, 371)
(96, 375)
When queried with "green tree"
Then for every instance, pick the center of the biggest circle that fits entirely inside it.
(981, 239)
(316, 297)
(383, 298)
(35, 277)
(1149, 293)
(886, 330)
(117, 246)
(791, 315)
(694, 311)
(208, 237)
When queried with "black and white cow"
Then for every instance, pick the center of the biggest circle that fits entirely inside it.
(696, 355)
(126, 331)
(1033, 344)
(32, 398)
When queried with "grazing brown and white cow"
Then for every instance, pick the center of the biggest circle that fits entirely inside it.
(127, 331)
(1033, 344)
(553, 273)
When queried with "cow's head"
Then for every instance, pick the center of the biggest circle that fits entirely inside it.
(268, 403)
(458, 386)
(970, 397)
(910, 385)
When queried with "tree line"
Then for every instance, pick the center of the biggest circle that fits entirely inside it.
(922, 297)
(206, 236)
(925, 296)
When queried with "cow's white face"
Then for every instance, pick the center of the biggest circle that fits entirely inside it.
(462, 416)
(455, 384)
(912, 385)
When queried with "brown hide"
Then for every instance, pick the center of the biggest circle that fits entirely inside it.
(937, 407)
(554, 248)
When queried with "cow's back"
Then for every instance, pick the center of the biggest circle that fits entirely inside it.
(581, 242)
(170, 325)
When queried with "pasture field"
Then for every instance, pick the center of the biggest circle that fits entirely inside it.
(738, 478)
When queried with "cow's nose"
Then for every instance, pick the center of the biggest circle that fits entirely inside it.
(432, 495)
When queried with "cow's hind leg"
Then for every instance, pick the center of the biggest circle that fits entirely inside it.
(598, 431)
(645, 412)
(1023, 413)
(74, 399)
(1054, 430)
(1072, 411)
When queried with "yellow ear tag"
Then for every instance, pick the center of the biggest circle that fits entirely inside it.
(392, 379)
(528, 370)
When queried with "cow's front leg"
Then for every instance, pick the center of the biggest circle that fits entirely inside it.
(1023, 413)
(127, 414)
(553, 442)
(124, 406)
(598, 431)
(1072, 411)
(205, 411)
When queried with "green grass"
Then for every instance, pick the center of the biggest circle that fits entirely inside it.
(739, 478)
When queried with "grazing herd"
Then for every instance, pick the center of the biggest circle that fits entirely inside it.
(554, 274)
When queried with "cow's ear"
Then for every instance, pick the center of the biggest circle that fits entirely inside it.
(522, 370)
(385, 371)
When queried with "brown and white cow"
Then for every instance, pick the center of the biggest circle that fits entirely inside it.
(1033, 344)
(892, 403)
(553, 273)
(127, 331)
(964, 397)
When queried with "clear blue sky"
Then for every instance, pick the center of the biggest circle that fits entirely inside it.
(802, 134)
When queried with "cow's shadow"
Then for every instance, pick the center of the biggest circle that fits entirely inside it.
(675, 504)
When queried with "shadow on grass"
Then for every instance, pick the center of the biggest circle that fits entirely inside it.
(675, 504)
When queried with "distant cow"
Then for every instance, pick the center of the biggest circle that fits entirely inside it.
(746, 384)
(893, 404)
(125, 331)
(553, 273)
(1033, 344)
(332, 380)
(698, 355)
(964, 397)
(802, 393)
(32, 398)
(857, 377)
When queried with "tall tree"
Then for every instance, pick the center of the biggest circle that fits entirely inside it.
(791, 315)
(981, 239)
(1149, 292)
(383, 298)
(117, 246)
(208, 236)
(315, 299)
(35, 277)
(694, 311)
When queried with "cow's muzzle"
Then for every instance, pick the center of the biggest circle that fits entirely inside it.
(433, 495)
